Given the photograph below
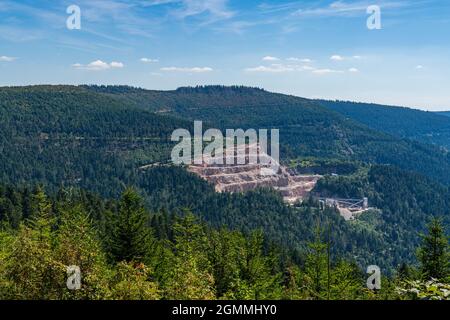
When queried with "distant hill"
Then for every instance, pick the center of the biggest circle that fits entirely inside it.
(67, 134)
(307, 128)
(97, 138)
(430, 127)
(63, 136)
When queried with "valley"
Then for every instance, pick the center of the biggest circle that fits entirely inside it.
(102, 139)
(250, 176)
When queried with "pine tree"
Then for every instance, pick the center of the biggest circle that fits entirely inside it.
(132, 236)
(257, 270)
(316, 268)
(41, 219)
(346, 281)
(191, 276)
(228, 250)
(434, 253)
(77, 244)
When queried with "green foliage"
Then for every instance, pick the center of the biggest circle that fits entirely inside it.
(316, 269)
(191, 278)
(188, 260)
(430, 127)
(131, 236)
(30, 272)
(77, 244)
(98, 139)
(434, 254)
(405, 201)
(424, 290)
(131, 282)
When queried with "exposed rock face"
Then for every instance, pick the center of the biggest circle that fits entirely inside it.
(228, 176)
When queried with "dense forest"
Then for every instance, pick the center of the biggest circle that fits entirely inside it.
(386, 236)
(307, 128)
(425, 126)
(125, 252)
(86, 145)
(404, 203)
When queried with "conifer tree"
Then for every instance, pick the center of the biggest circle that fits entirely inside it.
(191, 276)
(131, 235)
(434, 255)
(263, 284)
(77, 244)
(316, 266)
(41, 219)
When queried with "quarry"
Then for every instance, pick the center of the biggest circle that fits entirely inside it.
(237, 176)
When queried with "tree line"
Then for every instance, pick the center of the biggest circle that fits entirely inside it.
(126, 252)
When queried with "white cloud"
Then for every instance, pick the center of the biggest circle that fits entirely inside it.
(115, 64)
(270, 58)
(353, 70)
(336, 58)
(299, 60)
(187, 70)
(342, 8)
(99, 65)
(7, 59)
(275, 68)
(149, 60)
(215, 9)
(419, 67)
(325, 71)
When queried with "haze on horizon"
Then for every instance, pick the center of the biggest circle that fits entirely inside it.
(312, 49)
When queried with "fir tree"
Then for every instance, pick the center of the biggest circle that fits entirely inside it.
(191, 277)
(132, 236)
(434, 253)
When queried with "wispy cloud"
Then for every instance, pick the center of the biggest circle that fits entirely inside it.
(325, 71)
(216, 8)
(276, 68)
(346, 8)
(149, 60)
(289, 68)
(304, 60)
(98, 65)
(19, 34)
(187, 69)
(7, 59)
(209, 11)
(270, 58)
(336, 58)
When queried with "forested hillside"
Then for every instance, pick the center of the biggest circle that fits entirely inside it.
(405, 201)
(97, 138)
(429, 127)
(306, 127)
(65, 136)
(125, 252)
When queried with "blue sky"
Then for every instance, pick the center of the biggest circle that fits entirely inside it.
(315, 49)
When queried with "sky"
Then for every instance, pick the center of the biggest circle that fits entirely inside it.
(314, 49)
